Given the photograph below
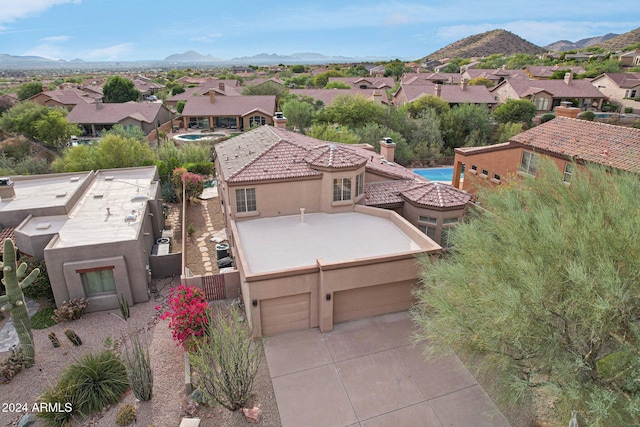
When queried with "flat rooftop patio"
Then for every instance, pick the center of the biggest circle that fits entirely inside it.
(274, 244)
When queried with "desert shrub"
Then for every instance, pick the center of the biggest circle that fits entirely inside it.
(41, 287)
(138, 363)
(168, 193)
(587, 115)
(188, 313)
(58, 398)
(227, 360)
(70, 310)
(200, 168)
(43, 318)
(11, 366)
(123, 304)
(547, 117)
(126, 415)
(95, 381)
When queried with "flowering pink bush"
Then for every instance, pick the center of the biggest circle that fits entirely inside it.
(189, 314)
(193, 183)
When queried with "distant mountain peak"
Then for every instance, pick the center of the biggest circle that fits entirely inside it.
(488, 43)
(564, 45)
(191, 56)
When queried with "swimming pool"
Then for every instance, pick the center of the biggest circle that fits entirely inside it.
(444, 174)
(197, 136)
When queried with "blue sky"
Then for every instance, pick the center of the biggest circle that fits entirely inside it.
(117, 30)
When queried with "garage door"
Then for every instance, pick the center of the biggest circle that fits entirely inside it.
(372, 300)
(284, 314)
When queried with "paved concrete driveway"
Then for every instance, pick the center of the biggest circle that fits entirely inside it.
(366, 373)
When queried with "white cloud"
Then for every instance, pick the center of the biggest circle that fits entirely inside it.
(397, 19)
(11, 10)
(111, 53)
(49, 47)
(207, 38)
(55, 39)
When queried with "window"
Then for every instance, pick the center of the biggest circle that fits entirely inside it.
(496, 177)
(359, 184)
(427, 219)
(568, 171)
(485, 172)
(542, 103)
(529, 163)
(245, 200)
(341, 189)
(257, 121)
(453, 220)
(429, 231)
(633, 93)
(474, 168)
(99, 282)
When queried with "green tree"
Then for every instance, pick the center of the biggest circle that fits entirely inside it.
(299, 114)
(335, 133)
(395, 69)
(515, 111)
(118, 90)
(372, 133)
(75, 159)
(266, 88)
(352, 111)
(114, 151)
(551, 305)
(439, 105)
(22, 118)
(297, 69)
(27, 90)
(337, 84)
(322, 79)
(54, 129)
(481, 81)
(467, 125)
(426, 139)
(180, 106)
(504, 132)
(134, 132)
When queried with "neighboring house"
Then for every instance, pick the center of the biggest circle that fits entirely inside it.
(548, 94)
(565, 140)
(630, 59)
(242, 70)
(64, 98)
(93, 118)
(381, 83)
(433, 78)
(264, 81)
(207, 82)
(94, 230)
(8, 100)
(232, 112)
(453, 94)
(617, 86)
(378, 70)
(430, 64)
(322, 232)
(146, 86)
(218, 87)
(545, 72)
(496, 76)
(328, 95)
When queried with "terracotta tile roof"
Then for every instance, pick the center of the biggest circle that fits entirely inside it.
(267, 153)
(70, 96)
(199, 106)
(497, 74)
(6, 233)
(557, 88)
(333, 155)
(453, 94)
(594, 142)
(386, 193)
(545, 71)
(436, 194)
(370, 82)
(425, 78)
(328, 95)
(103, 113)
(623, 80)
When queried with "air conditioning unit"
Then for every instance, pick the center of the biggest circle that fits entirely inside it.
(4, 181)
(163, 241)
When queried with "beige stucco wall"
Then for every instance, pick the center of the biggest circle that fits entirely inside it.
(505, 92)
(412, 213)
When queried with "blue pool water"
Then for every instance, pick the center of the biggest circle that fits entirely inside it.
(436, 174)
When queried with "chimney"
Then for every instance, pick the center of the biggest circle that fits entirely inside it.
(212, 96)
(387, 149)
(7, 192)
(566, 110)
(438, 90)
(377, 97)
(568, 78)
(463, 83)
(98, 103)
(279, 120)
(221, 86)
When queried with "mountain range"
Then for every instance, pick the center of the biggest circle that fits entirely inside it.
(479, 45)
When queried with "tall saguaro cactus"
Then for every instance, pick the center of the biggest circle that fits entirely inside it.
(14, 298)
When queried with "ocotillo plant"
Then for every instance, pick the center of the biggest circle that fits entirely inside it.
(14, 299)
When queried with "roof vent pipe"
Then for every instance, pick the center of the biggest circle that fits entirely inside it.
(301, 215)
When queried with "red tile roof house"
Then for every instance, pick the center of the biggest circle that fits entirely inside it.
(324, 232)
(232, 112)
(548, 94)
(65, 98)
(366, 82)
(328, 95)
(433, 78)
(94, 118)
(219, 87)
(453, 94)
(564, 140)
(544, 72)
(496, 76)
(620, 87)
